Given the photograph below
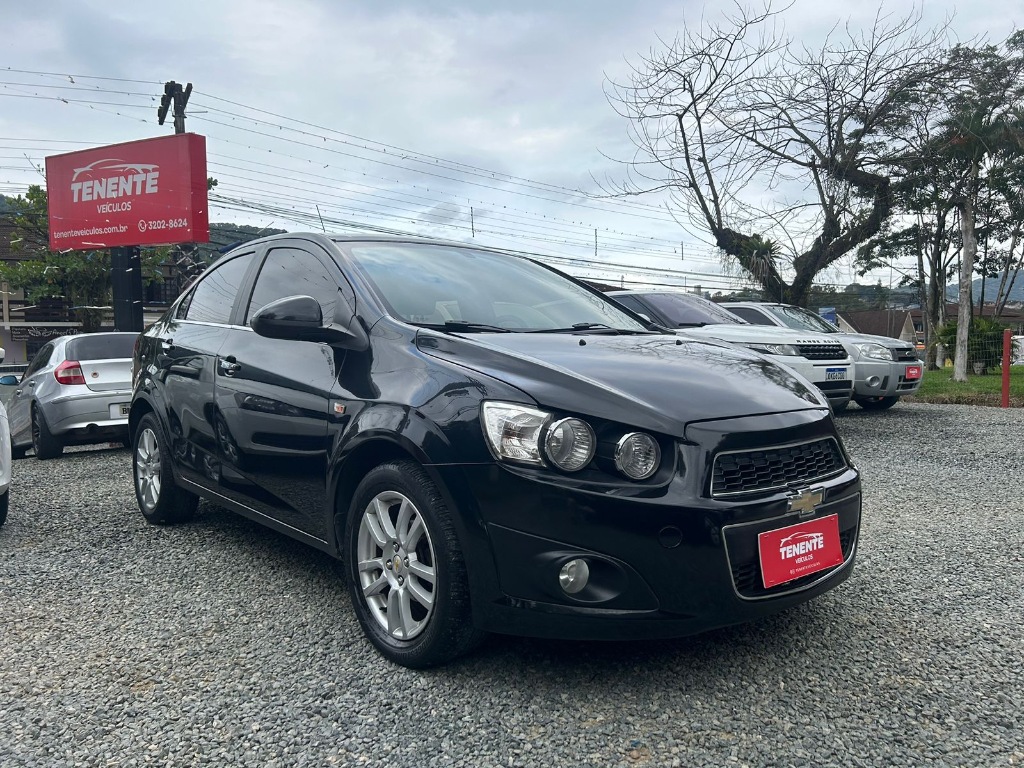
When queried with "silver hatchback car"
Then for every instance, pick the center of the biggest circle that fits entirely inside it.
(76, 390)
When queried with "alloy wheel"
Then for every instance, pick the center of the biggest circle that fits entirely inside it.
(147, 469)
(397, 565)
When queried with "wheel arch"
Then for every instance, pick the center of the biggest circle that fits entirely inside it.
(140, 407)
(361, 459)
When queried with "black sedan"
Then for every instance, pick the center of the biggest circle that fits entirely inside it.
(489, 445)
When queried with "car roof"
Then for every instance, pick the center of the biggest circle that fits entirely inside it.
(325, 238)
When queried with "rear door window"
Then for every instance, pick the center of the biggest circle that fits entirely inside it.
(754, 316)
(41, 359)
(214, 295)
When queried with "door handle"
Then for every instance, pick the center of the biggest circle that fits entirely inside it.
(167, 344)
(228, 366)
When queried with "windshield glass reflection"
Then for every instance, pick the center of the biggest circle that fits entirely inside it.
(469, 290)
(685, 309)
(803, 320)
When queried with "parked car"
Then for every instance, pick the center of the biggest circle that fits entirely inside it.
(5, 461)
(887, 369)
(488, 445)
(820, 359)
(76, 391)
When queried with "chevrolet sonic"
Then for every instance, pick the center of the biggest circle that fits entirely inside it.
(489, 445)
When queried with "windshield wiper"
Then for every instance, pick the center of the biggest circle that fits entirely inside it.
(467, 327)
(579, 327)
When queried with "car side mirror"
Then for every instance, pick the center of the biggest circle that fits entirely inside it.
(8, 380)
(299, 318)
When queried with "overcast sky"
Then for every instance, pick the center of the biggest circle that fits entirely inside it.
(455, 119)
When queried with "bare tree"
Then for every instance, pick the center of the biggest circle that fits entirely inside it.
(776, 149)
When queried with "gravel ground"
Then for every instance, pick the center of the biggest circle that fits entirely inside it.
(221, 643)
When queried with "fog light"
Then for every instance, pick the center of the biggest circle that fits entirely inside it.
(873, 381)
(574, 576)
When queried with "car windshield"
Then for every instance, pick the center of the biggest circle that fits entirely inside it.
(684, 309)
(802, 319)
(107, 346)
(469, 290)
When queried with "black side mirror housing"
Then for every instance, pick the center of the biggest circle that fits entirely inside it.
(299, 318)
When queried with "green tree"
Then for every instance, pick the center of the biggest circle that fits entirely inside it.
(79, 278)
(982, 133)
(962, 182)
(781, 152)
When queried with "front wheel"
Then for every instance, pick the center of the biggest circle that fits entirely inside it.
(876, 403)
(160, 499)
(407, 576)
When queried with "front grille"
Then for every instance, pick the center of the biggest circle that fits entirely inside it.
(904, 355)
(769, 468)
(822, 351)
(747, 575)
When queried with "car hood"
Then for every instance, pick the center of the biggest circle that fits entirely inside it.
(764, 334)
(657, 382)
(885, 341)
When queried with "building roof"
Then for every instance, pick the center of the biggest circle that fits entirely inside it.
(880, 322)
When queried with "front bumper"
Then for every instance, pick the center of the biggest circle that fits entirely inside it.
(663, 563)
(881, 378)
(837, 390)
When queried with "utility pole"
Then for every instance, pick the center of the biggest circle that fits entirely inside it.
(126, 261)
(173, 92)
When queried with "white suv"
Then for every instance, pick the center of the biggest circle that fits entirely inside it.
(887, 368)
(820, 359)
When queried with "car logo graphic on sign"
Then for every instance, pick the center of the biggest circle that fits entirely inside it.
(806, 501)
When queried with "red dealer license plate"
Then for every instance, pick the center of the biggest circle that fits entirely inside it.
(799, 550)
(913, 371)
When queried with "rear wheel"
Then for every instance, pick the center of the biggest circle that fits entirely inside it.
(44, 443)
(160, 499)
(876, 403)
(407, 576)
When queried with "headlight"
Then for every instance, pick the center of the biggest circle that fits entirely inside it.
(513, 431)
(569, 444)
(637, 455)
(521, 433)
(774, 349)
(872, 350)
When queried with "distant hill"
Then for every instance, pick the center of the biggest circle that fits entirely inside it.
(991, 289)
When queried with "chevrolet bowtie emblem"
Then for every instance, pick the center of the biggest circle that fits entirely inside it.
(806, 501)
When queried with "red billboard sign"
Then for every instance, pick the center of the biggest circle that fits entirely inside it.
(149, 192)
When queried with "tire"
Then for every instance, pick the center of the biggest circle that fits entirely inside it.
(5, 502)
(406, 573)
(18, 452)
(876, 403)
(44, 443)
(160, 499)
